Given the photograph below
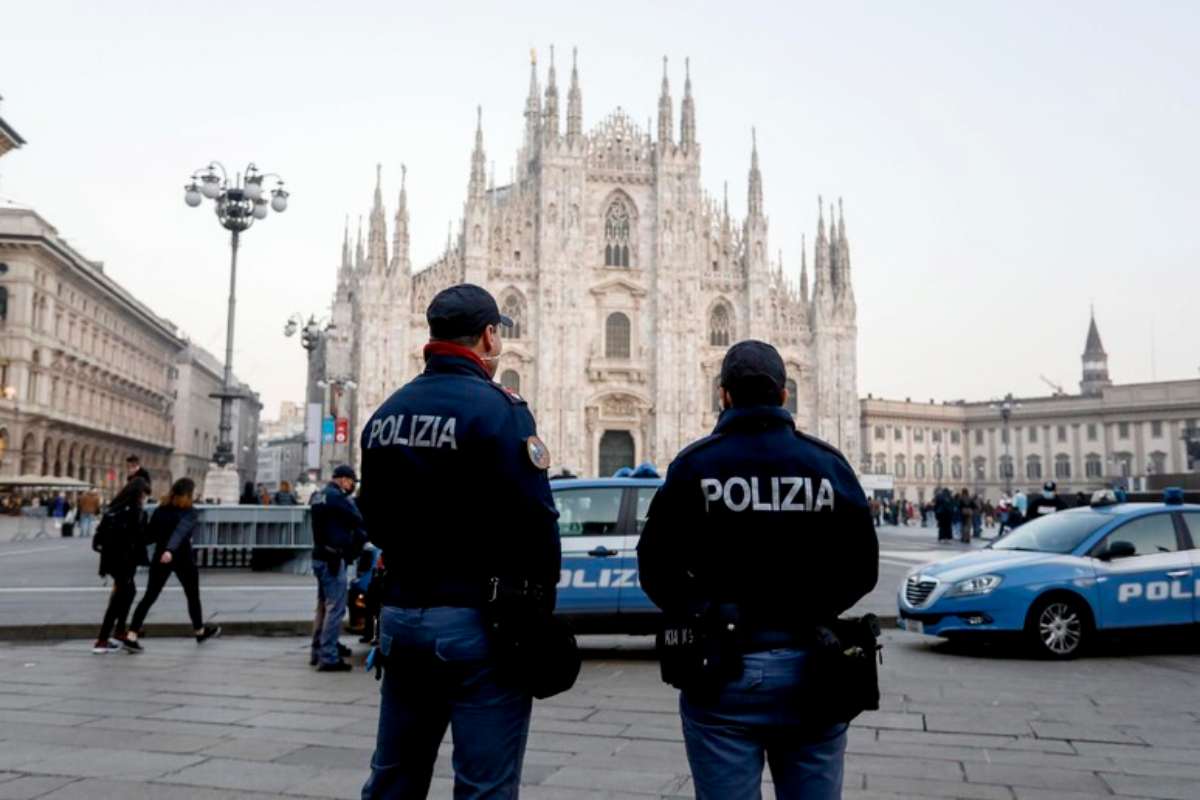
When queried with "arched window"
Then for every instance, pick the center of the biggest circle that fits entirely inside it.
(939, 468)
(617, 234)
(1158, 462)
(980, 468)
(1124, 464)
(919, 467)
(514, 309)
(1033, 466)
(900, 466)
(1006, 467)
(720, 326)
(509, 379)
(956, 468)
(793, 405)
(1093, 466)
(880, 464)
(616, 336)
(1062, 466)
(3, 303)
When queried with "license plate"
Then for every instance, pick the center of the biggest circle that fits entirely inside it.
(914, 626)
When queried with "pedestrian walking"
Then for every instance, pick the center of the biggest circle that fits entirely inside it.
(966, 510)
(171, 528)
(1021, 506)
(338, 538)
(473, 558)
(121, 543)
(248, 497)
(284, 495)
(87, 509)
(943, 511)
(1048, 502)
(134, 469)
(806, 552)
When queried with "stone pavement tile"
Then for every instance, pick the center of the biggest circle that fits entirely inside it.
(916, 787)
(904, 767)
(225, 773)
(978, 741)
(328, 757)
(885, 719)
(649, 749)
(1189, 740)
(205, 713)
(1150, 786)
(251, 749)
(164, 726)
(980, 722)
(1025, 793)
(103, 708)
(672, 734)
(580, 728)
(1083, 733)
(27, 787)
(46, 718)
(544, 711)
(302, 722)
(568, 793)
(98, 762)
(174, 742)
(15, 754)
(1124, 753)
(612, 780)
(21, 701)
(342, 783)
(102, 789)
(1040, 778)
(58, 735)
(566, 743)
(651, 719)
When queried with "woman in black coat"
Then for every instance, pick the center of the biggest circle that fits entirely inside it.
(171, 527)
(121, 543)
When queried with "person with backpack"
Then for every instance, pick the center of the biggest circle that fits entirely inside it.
(120, 541)
(171, 528)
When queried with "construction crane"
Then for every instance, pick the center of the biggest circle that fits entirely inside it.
(1058, 389)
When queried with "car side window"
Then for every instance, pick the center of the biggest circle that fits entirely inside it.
(1149, 535)
(1192, 518)
(588, 512)
(644, 496)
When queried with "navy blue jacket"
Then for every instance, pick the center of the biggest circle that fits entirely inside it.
(450, 491)
(760, 515)
(337, 525)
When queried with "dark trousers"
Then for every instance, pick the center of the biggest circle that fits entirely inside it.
(123, 592)
(189, 578)
(944, 529)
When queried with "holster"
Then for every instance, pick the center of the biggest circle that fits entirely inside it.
(533, 648)
(843, 670)
(701, 651)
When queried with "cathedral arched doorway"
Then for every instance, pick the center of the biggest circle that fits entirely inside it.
(616, 451)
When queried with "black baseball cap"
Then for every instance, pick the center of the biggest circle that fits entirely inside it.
(751, 364)
(345, 471)
(463, 310)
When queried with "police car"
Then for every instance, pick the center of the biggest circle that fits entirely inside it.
(599, 522)
(1060, 579)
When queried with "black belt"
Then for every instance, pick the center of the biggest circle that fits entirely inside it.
(756, 640)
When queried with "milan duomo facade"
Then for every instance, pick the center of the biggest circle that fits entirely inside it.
(627, 282)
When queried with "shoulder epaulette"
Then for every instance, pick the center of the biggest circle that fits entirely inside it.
(824, 445)
(508, 393)
(697, 445)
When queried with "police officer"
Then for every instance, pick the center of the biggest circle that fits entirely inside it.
(1047, 502)
(773, 523)
(338, 538)
(455, 492)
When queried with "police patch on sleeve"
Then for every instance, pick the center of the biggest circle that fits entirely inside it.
(539, 454)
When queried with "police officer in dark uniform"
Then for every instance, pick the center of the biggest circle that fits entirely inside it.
(773, 524)
(454, 491)
(338, 539)
(1047, 502)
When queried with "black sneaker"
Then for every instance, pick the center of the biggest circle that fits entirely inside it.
(210, 632)
(337, 666)
(343, 651)
(313, 660)
(132, 646)
(105, 646)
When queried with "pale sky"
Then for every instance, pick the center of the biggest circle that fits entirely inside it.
(1003, 164)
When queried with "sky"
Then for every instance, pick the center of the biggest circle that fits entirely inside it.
(1004, 165)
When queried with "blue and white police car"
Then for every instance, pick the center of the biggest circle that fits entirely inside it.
(1061, 579)
(599, 522)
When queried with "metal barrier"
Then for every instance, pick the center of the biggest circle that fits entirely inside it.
(259, 537)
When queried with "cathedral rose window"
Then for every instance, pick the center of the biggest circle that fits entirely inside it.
(616, 235)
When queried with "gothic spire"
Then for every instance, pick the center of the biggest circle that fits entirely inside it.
(574, 102)
(551, 114)
(359, 254)
(533, 107)
(754, 202)
(1093, 346)
(478, 184)
(822, 276)
(843, 250)
(400, 257)
(346, 264)
(377, 232)
(687, 122)
(666, 132)
(803, 268)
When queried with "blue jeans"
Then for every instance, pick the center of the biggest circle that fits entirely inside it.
(439, 673)
(761, 714)
(331, 608)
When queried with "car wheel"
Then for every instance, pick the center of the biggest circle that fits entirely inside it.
(1059, 627)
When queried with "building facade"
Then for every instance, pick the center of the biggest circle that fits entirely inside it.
(281, 459)
(1106, 434)
(627, 282)
(85, 369)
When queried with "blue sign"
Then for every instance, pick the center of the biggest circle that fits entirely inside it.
(327, 430)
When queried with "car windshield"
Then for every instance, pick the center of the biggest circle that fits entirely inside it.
(1055, 533)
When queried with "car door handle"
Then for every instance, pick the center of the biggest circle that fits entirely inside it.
(1178, 573)
(602, 552)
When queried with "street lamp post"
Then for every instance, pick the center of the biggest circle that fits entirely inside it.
(238, 203)
(312, 337)
(1006, 407)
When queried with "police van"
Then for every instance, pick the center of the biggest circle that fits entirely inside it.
(1062, 579)
(599, 522)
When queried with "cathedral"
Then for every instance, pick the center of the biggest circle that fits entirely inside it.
(627, 282)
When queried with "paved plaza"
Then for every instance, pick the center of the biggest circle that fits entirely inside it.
(245, 717)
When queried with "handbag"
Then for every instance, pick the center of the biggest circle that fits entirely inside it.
(534, 649)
